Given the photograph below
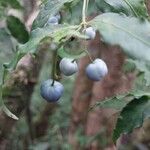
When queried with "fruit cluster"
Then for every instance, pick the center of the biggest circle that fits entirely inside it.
(52, 90)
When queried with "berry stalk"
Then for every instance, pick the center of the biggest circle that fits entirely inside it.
(54, 66)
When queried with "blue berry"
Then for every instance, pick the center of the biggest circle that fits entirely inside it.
(68, 67)
(90, 32)
(51, 93)
(96, 70)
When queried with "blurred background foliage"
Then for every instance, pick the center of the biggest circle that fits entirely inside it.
(12, 14)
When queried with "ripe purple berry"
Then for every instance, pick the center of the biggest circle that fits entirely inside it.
(68, 66)
(96, 70)
(90, 33)
(51, 93)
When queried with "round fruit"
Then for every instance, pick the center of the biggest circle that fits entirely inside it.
(96, 70)
(68, 66)
(51, 93)
(53, 21)
(90, 32)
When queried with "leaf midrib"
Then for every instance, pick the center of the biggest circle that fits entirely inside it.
(131, 7)
(118, 27)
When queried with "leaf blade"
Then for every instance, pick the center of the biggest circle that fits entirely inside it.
(129, 33)
(132, 116)
(48, 9)
(20, 33)
(135, 8)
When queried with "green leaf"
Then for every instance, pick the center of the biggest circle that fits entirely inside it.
(129, 7)
(2, 12)
(62, 52)
(117, 103)
(128, 66)
(132, 113)
(103, 6)
(48, 9)
(17, 29)
(56, 33)
(4, 4)
(74, 15)
(8, 113)
(143, 67)
(139, 86)
(132, 116)
(12, 3)
(120, 101)
(130, 33)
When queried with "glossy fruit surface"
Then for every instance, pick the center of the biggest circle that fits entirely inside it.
(96, 70)
(51, 93)
(90, 32)
(68, 66)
